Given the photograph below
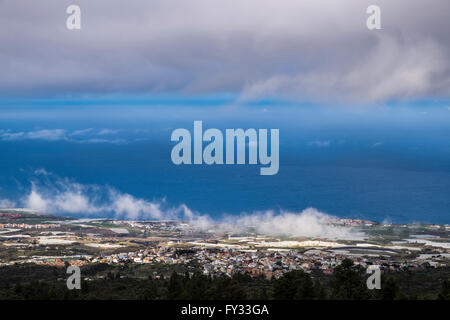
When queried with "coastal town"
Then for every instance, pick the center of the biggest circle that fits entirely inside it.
(27, 237)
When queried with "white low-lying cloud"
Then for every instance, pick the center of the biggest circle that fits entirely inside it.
(107, 131)
(64, 196)
(56, 195)
(377, 144)
(88, 135)
(49, 135)
(319, 143)
(81, 132)
(308, 223)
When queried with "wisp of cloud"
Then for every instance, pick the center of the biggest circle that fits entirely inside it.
(55, 195)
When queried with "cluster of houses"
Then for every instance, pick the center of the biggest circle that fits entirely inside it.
(269, 262)
(215, 258)
(266, 262)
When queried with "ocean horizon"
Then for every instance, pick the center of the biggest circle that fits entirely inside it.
(82, 158)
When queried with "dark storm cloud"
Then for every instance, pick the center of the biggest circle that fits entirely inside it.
(308, 50)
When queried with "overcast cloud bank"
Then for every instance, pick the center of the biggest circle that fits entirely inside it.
(301, 50)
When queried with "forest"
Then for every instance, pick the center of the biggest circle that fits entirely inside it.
(134, 282)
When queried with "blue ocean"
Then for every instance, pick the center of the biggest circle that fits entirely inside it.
(384, 164)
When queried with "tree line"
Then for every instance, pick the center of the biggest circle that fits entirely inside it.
(348, 282)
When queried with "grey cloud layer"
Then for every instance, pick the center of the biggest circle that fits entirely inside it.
(309, 50)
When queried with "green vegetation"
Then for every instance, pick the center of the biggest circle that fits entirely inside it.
(7, 216)
(173, 282)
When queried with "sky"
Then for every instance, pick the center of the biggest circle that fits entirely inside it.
(364, 115)
(251, 49)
